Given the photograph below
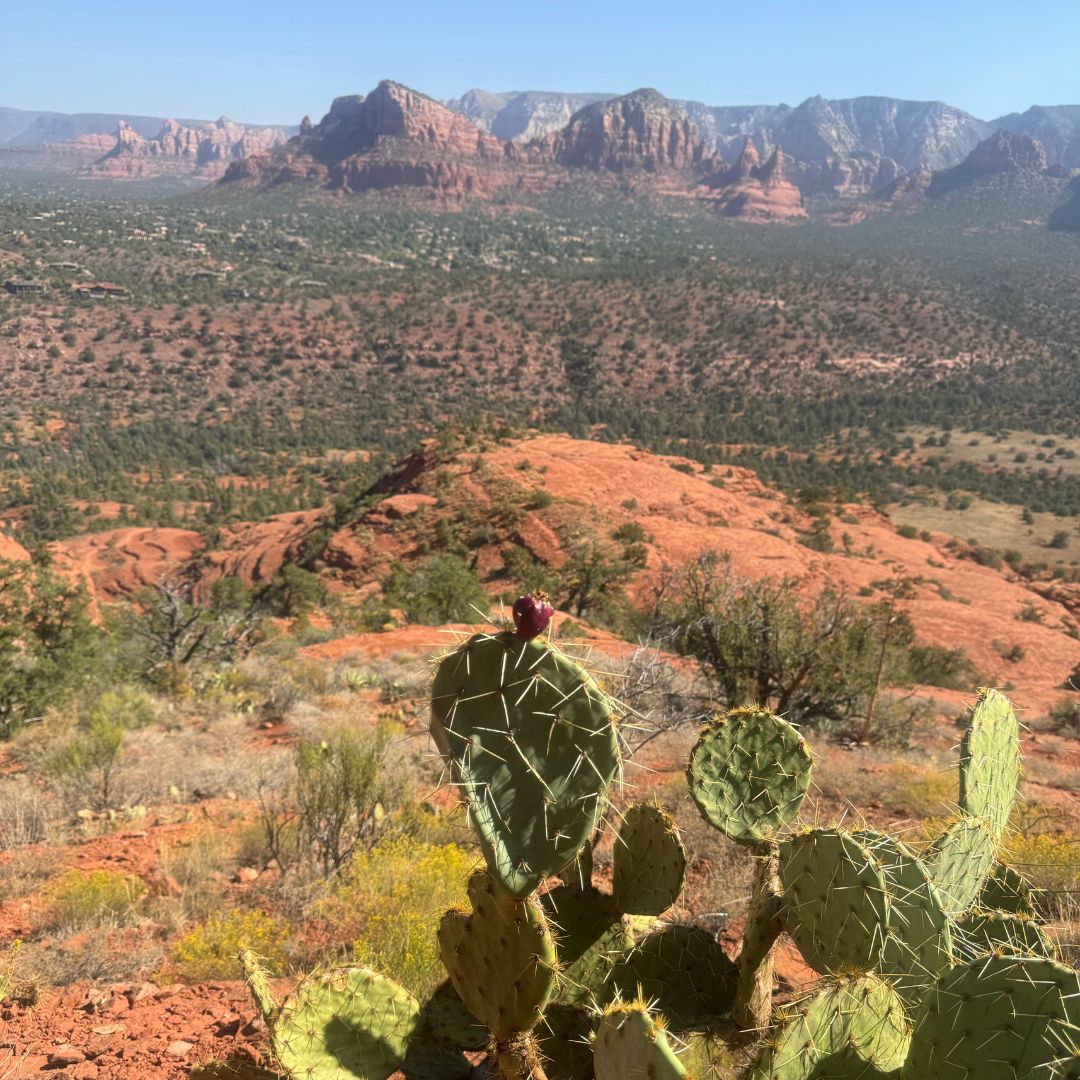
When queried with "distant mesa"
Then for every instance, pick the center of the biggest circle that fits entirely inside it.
(753, 191)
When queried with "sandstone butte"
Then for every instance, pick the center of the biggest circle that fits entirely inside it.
(398, 138)
(953, 601)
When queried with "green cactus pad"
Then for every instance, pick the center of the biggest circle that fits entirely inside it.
(854, 1022)
(959, 861)
(590, 934)
(258, 984)
(564, 1036)
(531, 744)
(918, 943)
(990, 762)
(748, 774)
(683, 970)
(997, 1018)
(980, 933)
(447, 1017)
(1007, 889)
(649, 861)
(836, 900)
(630, 1045)
(501, 957)
(345, 1023)
(432, 1059)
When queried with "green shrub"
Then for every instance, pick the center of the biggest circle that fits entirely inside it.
(390, 902)
(208, 951)
(81, 898)
(443, 588)
(1065, 717)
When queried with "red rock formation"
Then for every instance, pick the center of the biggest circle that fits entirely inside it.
(642, 130)
(751, 191)
(198, 151)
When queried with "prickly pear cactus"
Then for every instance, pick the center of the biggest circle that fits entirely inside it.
(1006, 889)
(997, 1018)
(959, 862)
(836, 899)
(631, 1045)
(343, 1024)
(530, 741)
(501, 957)
(590, 935)
(258, 984)
(852, 1023)
(683, 971)
(918, 941)
(649, 861)
(982, 933)
(990, 762)
(748, 774)
(446, 1017)
(565, 1039)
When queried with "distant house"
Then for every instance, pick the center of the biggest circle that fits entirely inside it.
(98, 290)
(237, 294)
(70, 267)
(26, 288)
(209, 275)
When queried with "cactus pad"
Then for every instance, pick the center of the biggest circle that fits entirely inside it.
(501, 957)
(683, 971)
(590, 934)
(631, 1045)
(836, 900)
(531, 744)
(447, 1017)
(345, 1023)
(918, 942)
(564, 1037)
(997, 1018)
(258, 984)
(1007, 889)
(959, 861)
(990, 761)
(748, 774)
(650, 861)
(854, 1022)
(980, 933)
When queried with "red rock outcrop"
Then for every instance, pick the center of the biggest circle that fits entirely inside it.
(204, 152)
(642, 130)
(754, 192)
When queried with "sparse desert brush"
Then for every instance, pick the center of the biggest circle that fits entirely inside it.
(1051, 862)
(388, 906)
(208, 951)
(89, 898)
(924, 791)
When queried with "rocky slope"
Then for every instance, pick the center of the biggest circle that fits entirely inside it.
(594, 489)
(203, 150)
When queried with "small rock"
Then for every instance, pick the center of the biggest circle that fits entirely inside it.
(65, 1055)
(226, 1029)
(178, 1049)
(108, 1029)
(247, 874)
(117, 1004)
(87, 1070)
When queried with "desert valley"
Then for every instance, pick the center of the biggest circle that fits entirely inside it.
(773, 410)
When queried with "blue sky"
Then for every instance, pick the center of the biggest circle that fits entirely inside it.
(274, 61)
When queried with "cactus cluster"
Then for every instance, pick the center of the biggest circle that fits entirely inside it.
(932, 965)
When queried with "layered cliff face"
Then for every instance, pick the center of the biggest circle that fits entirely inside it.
(394, 137)
(834, 147)
(642, 130)
(204, 151)
(752, 191)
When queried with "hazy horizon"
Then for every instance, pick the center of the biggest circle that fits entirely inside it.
(260, 64)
